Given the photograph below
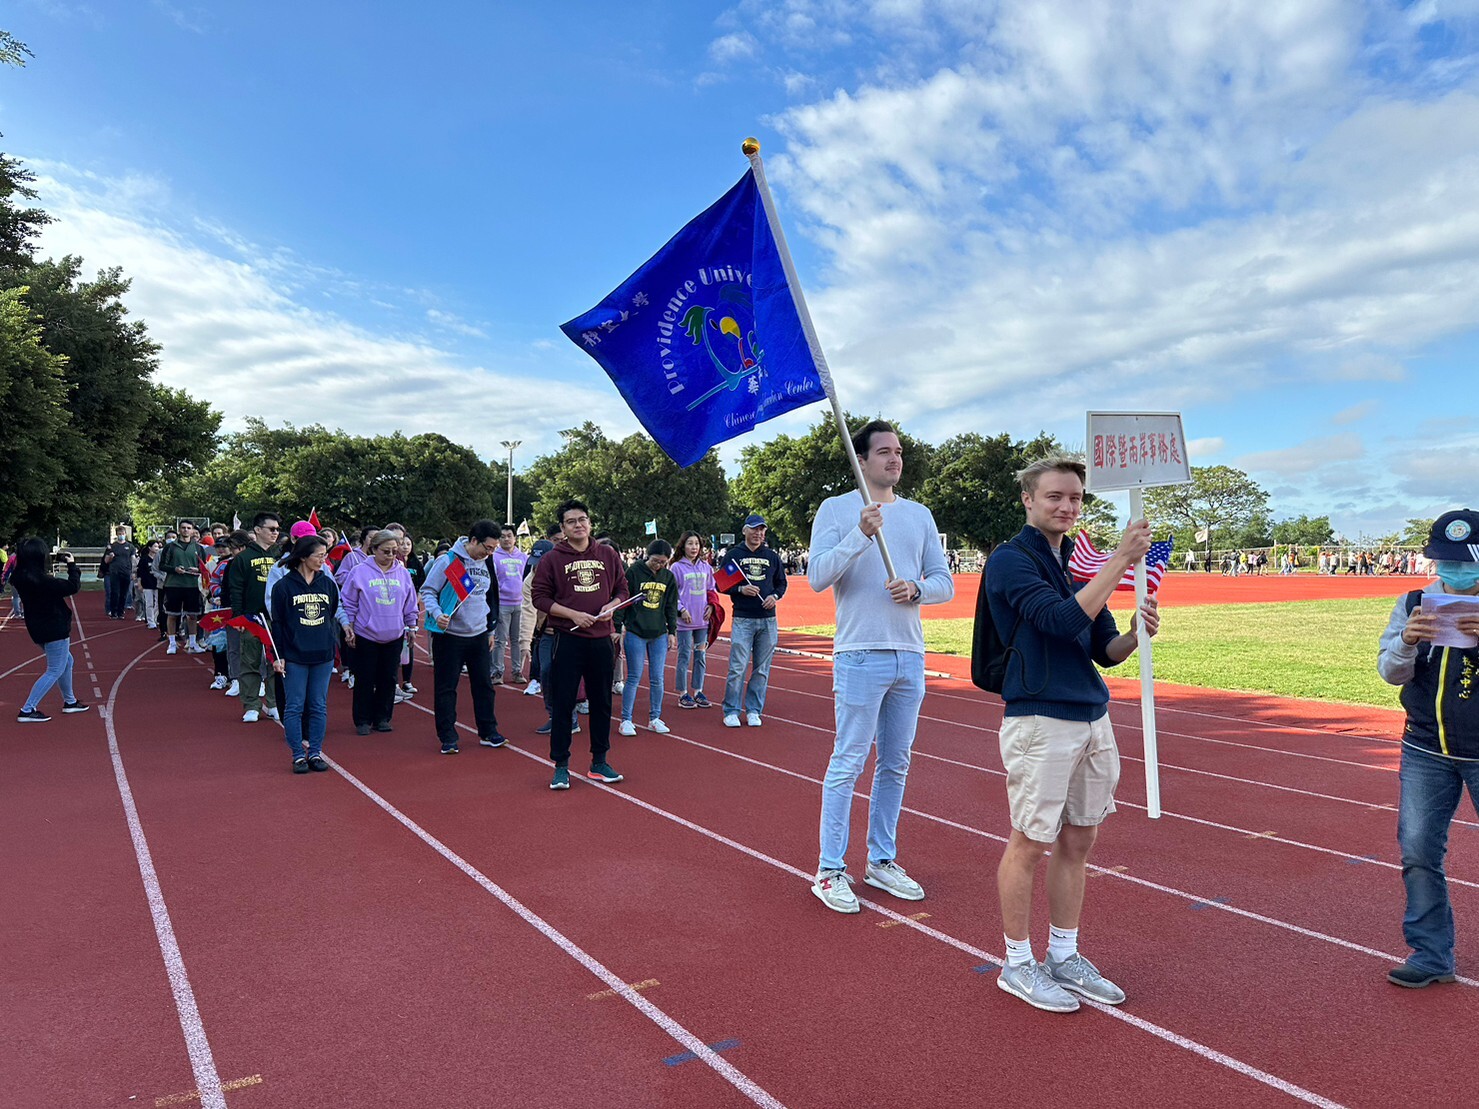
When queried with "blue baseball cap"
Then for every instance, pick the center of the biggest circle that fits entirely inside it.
(1455, 537)
(754, 520)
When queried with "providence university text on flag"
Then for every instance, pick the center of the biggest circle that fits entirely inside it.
(704, 341)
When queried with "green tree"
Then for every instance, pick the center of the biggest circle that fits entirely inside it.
(1417, 531)
(33, 394)
(973, 490)
(1303, 531)
(628, 482)
(787, 479)
(12, 50)
(1224, 500)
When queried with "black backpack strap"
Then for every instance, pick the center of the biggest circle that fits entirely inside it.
(1413, 599)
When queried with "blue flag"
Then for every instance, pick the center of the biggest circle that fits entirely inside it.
(704, 341)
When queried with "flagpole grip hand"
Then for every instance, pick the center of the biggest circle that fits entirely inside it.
(1135, 543)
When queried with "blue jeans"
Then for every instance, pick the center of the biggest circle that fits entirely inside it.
(306, 694)
(692, 644)
(58, 669)
(751, 643)
(651, 655)
(1432, 787)
(877, 695)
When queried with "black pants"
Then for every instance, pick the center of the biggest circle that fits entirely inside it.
(575, 657)
(374, 679)
(116, 589)
(448, 654)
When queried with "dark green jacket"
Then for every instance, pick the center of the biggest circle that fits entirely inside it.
(247, 579)
(656, 614)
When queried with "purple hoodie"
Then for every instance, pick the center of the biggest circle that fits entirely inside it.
(695, 579)
(379, 605)
(508, 569)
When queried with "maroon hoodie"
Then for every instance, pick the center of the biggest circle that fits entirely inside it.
(586, 581)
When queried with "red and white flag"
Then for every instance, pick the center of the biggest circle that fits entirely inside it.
(1085, 563)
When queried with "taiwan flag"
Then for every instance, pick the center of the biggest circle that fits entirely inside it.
(705, 340)
(256, 627)
(457, 589)
(729, 575)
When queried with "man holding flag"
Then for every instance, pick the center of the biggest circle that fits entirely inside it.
(246, 581)
(1056, 741)
(462, 617)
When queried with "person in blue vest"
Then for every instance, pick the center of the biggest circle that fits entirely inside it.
(1440, 740)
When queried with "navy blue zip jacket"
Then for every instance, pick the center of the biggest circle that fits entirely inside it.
(304, 617)
(761, 567)
(1050, 668)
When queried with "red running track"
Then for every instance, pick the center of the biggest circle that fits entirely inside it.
(420, 930)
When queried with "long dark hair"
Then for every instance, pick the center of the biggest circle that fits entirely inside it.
(681, 551)
(30, 560)
(302, 549)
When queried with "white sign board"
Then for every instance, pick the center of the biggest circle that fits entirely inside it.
(1135, 450)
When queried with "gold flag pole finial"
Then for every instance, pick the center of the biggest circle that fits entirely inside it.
(750, 147)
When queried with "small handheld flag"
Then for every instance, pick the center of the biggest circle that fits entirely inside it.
(651, 527)
(337, 554)
(458, 588)
(1085, 563)
(705, 340)
(313, 519)
(729, 575)
(205, 572)
(216, 619)
(256, 627)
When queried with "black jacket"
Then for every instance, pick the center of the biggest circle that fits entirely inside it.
(48, 616)
(762, 568)
(304, 617)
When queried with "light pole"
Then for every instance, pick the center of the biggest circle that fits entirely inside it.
(511, 444)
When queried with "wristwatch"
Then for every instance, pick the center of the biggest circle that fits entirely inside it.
(918, 590)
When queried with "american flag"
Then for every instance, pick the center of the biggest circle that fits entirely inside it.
(1086, 562)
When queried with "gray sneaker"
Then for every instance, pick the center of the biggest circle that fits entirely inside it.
(834, 889)
(1082, 977)
(1032, 983)
(890, 876)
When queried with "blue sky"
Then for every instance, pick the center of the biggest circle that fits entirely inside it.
(1004, 213)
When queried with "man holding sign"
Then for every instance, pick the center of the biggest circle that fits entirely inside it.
(1431, 649)
(1056, 741)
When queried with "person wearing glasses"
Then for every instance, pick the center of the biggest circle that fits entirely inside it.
(247, 582)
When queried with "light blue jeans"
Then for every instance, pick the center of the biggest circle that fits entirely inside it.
(58, 669)
(691, 645)
(751, 643)
(306, 693)
(644, 654)
(1432, 787)
(877, 695)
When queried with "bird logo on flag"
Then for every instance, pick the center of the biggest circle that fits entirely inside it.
(737, 356)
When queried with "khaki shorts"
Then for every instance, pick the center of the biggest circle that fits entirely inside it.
(1058, 771)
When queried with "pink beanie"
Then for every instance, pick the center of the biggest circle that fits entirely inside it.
(300, 529)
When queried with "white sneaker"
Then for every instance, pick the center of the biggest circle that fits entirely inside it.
(251, 716)
(627, 728)
(659, 727)
(618, 687)
(583, 707)
(344, 676)
(533, 688)
(173, 648)
(401, 695)
(218, 682)
(732, 720)
(234, 689)
(410, 689)
(752, 719)
(833, 889)
(890, 877)
(272, 714)
(350, 683)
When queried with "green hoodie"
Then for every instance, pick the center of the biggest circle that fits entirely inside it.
(656, 614)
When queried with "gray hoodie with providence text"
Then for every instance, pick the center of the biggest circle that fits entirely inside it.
(478, 615)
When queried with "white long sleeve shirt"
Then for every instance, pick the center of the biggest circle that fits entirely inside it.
(846, 561)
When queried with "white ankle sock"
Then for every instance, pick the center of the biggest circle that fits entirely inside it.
(1062, 943)
(1019, 952)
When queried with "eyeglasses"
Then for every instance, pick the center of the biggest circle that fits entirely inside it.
(576, 520)
(271, 529)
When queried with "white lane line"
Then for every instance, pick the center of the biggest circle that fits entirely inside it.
(726, 1070)
(1210, 1054)
(42, 658)
(202, 1062)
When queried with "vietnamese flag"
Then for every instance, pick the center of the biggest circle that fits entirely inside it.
(215, 620)
(205, 572)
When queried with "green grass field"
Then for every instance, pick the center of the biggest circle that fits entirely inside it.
(1324, 650)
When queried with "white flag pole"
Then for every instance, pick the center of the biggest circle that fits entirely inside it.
(1147, 676)
(751, 148)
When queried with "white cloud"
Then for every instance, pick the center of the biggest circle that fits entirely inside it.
(234, 330)
(1304, 458)
(736, 47)
(1205, 448)
(1355, 413)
